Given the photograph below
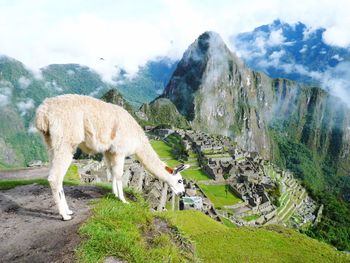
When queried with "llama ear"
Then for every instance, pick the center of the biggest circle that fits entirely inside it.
(181, 167)
(169, 170)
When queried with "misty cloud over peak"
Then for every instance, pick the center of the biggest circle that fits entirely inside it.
(302, 54)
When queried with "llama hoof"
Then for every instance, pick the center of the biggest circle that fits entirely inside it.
(125, 202)
(66, 218)
(70, 212)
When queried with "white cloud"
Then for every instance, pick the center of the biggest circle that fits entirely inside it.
(128, 33)
(32, 128)
(24, 82)
(276, 56)
(53, 85)
(25, 106)
(70, 72)
(308, 32)
(5, 93)
(304, 49)
(337, 57)
(338, 35)
(337, 81)
(4, 100)
(276, 38)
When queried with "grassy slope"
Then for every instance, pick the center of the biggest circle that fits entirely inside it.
(215, 242)
(128, 233)
(217, 194)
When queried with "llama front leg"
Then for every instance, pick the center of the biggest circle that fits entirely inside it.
(59, 167)
(68, 211)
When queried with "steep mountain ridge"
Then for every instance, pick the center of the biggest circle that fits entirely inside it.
(208, 88)
(218, 94)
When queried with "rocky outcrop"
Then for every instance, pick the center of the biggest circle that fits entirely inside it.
(162, 111)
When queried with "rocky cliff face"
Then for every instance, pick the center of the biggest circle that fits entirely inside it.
(218, 94)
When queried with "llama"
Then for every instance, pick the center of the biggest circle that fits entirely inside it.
(70, 121)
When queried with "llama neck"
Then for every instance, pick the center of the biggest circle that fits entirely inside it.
(151, 161)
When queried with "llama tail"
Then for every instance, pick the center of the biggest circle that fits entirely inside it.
(41, 119)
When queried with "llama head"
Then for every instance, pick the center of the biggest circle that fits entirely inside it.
(175, 180)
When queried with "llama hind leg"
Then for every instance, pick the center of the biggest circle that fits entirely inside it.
(60, 164)
(117, 181)
(116, 163)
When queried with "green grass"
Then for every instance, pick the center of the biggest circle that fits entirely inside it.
(283, 198)
(8, 184)
(250, 218)
(216, 242)
(172, 162)
(217, 195)
(71, 178)
(197, 175)
(126, 232)
(162, 149)
(227, 222)
(72, 175)
(165, 152)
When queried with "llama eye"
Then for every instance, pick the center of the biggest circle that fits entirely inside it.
(180, 181)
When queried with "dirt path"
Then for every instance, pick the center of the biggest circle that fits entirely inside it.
(28, 173)
(31, 229)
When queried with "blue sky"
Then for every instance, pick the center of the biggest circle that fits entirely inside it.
(128, 33)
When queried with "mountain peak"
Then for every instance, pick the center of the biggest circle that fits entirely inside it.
(207, 44)
(206, 66)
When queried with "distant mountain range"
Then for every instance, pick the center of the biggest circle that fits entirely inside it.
(21, 91)
(292, 51)
(148, 83)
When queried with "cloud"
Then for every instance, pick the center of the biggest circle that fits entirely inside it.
(5, 93)
(337, 81)
(70, 72)
(24, 82)
(128, 33)
(337, 57)
(25, 106)
(53, 85)
(304, 49)
(32, 128)
(276, 56)
(4, 100)
(276, 38)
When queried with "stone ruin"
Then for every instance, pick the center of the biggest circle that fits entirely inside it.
(135, 176)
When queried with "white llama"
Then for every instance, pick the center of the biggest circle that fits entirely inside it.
(71, 121)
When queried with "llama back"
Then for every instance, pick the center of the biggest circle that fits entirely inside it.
(73, 119)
